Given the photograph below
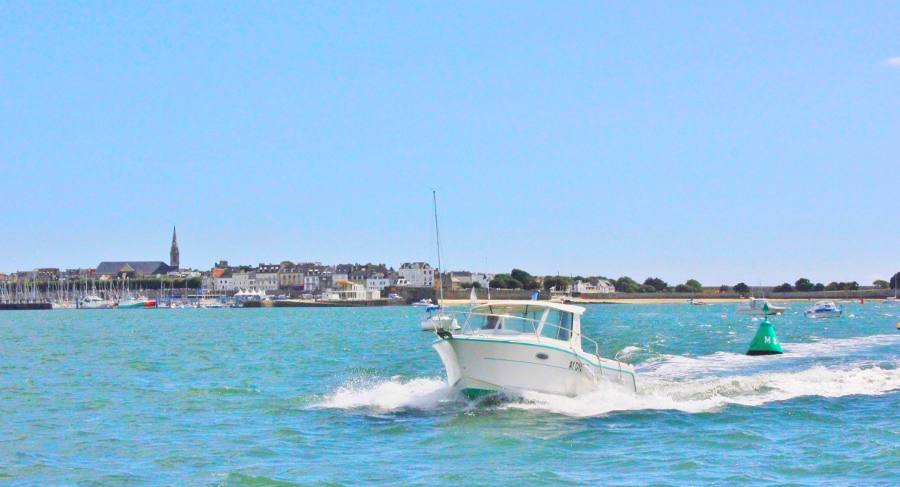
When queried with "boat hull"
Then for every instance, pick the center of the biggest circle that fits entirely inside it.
(773, 310)
(823, 314)
(476, 366)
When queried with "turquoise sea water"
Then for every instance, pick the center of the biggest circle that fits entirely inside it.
(357, 396)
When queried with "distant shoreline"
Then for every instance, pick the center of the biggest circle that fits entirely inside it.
(461, 302)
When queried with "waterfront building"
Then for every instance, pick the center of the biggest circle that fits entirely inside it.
(377, 282)
(47, 274)
(267, 277)
(466, 279)
(244, 279)
(222, 279)
(324, 280)
(342, 272)
(348, 290)
(417, 274)
(290, 277)
(600, 286)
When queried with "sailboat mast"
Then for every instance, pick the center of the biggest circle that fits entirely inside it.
(437, 234)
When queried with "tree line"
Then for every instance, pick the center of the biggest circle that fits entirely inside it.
(804, 284)
(519, 279)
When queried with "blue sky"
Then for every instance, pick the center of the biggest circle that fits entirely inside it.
(710, 140)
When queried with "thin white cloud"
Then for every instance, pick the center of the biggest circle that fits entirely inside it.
(892, 62)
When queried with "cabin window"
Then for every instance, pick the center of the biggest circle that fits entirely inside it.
(558, 325)
(515, 324)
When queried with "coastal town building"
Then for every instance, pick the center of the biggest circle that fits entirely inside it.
(174, 253)
(290, 277)
(417, 274)
(222, 279)
(47, 274)
(85, 273)
(600, 286)
(267, 277)
(377, 283)
(466, 279)
(348, 290)
(342, 272)
(141, 268)
(243, 279)
(132, 269)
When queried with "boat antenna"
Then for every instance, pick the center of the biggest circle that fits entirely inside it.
(437, 234)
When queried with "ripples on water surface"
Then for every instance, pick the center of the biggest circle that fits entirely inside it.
(308, 396)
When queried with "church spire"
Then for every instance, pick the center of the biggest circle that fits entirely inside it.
(173, 252)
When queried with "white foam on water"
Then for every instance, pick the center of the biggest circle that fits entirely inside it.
(678, 366)
(388, 395)
(714, 393)
(628, 352)
(671, 382)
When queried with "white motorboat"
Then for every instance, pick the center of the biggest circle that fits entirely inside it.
(760, 307)
(527, 346)
(247, 296)
(210, 303)
(823, 309)
(63, 305)
(439, 321)
(697, 302)
(424, 302)
(93, 301)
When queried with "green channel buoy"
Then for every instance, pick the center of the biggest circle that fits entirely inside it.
(765, 342)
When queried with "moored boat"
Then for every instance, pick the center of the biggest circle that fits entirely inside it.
(527, 346)
(760, 307)
(92, 301)
(137, 303)
(823, 309)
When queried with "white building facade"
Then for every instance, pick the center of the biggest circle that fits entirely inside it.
(417, 274)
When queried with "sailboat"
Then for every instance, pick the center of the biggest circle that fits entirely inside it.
(439, 320)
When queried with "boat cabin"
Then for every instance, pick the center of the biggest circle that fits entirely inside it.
(541, 319)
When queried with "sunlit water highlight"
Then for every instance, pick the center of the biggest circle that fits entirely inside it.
(257, 397)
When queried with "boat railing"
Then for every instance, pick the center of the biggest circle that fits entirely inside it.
(467, 327)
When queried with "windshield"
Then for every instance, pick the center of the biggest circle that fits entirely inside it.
(558, 325)
(507, 319)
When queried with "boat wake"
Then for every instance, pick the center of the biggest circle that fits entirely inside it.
(389, 395)
(689, 384)
(713, 393)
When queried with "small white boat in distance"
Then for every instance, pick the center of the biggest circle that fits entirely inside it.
(760, 307)
(823, 309)
(696, 302)
(527, 346)
(439, 321)
(424, 302)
